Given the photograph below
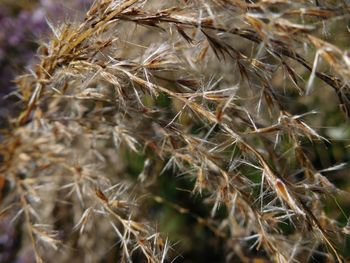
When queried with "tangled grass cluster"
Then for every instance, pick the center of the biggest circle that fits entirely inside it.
(22, 23)
(201, 91)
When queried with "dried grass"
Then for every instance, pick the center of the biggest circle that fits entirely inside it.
(96, 94)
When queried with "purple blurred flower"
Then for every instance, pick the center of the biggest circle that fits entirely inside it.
(7, 240)
(17, 42)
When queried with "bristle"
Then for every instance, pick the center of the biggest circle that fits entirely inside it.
(138, 87)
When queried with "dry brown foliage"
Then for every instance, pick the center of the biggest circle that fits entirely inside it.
(224, 69)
